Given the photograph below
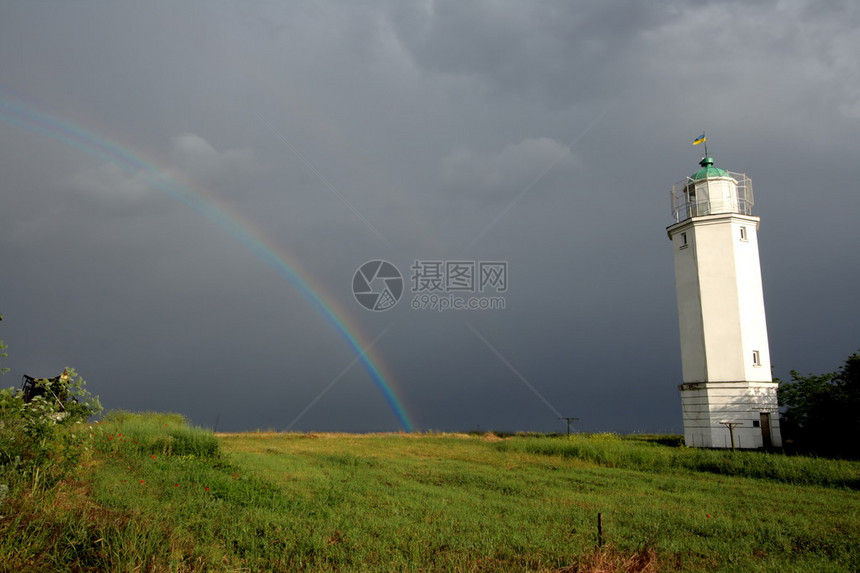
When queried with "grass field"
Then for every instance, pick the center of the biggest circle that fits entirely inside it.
(156, 495)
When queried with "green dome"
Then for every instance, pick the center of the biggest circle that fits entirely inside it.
(708, 170)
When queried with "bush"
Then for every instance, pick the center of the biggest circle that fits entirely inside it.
(41, 441)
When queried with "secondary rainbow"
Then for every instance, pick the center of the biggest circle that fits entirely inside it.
(26, 117)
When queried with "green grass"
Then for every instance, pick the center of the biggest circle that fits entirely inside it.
(650, 454)
(155, 434)
(158, 495)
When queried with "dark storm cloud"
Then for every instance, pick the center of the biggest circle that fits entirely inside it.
(563, 52)
(542, 134)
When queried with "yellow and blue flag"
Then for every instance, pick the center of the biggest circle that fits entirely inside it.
(700, 139)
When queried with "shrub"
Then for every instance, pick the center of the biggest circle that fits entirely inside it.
(41, 441)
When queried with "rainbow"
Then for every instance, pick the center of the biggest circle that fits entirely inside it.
(28, 118)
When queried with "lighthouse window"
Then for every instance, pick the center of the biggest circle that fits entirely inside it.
(744, 234)
(756, 358)
(683, 240)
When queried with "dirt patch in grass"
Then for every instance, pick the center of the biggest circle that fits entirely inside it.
(610, 560)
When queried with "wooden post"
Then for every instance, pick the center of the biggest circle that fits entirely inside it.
(600, 530)
(568, 420)
(731, 427)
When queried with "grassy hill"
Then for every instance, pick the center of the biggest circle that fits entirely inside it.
(150, 493)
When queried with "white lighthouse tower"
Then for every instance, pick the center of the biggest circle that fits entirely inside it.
(728, 396)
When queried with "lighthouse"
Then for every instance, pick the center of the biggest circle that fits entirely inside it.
(728, 397)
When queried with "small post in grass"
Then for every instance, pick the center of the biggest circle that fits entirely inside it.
(600, 530)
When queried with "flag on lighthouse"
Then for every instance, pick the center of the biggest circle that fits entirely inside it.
(700, 139)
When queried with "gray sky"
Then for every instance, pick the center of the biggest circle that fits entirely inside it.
(169, 170)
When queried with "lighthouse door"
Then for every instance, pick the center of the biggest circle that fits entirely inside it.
(764, 422)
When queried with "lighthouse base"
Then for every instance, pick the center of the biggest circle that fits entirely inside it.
(718, 413)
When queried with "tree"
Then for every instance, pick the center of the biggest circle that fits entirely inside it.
(822, 412)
